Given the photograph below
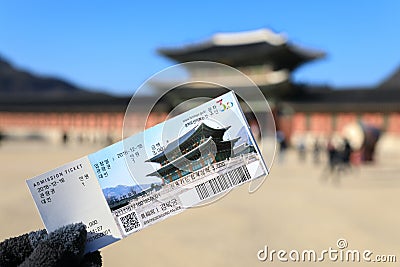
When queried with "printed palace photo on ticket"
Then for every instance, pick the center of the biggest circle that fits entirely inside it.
(182, 162)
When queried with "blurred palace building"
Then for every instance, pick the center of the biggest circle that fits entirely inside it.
(31, 105)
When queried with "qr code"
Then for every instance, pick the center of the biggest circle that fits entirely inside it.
(129, 222)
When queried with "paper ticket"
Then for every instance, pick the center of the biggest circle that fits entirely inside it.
(185, 161)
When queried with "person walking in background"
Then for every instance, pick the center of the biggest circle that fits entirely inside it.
(346, 155)
(280, 136)
(317, 151)
(1, 137)
(339, 158)
(65, 138)
(302, 150)
(332, 155)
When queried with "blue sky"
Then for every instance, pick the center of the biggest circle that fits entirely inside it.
(110, 45)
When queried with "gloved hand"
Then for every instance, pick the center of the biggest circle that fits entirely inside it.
(63, 247)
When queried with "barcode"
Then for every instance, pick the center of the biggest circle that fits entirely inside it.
(129, 222)
(223, 182)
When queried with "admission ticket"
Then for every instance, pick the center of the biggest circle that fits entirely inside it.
(188, 160)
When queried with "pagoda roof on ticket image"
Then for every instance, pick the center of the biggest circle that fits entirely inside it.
(186, 159)
(188, 139)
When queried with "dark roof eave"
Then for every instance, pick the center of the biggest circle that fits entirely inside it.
(239, 54)
(352, 107)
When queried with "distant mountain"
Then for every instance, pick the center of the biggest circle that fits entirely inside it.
(18, 82)
(123, 191)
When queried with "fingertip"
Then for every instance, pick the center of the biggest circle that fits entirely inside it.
(92, 259)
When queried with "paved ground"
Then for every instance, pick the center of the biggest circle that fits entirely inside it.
(297, 208)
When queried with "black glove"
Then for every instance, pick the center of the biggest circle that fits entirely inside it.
(63, 247)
